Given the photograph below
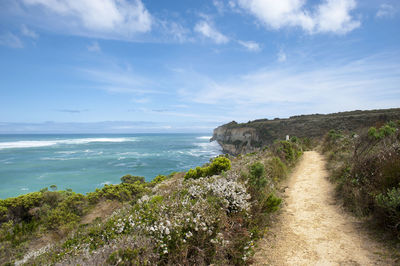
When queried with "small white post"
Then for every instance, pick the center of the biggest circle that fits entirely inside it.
(287, 137)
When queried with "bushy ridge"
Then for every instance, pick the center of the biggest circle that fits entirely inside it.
(195, 219)
(312, 128)
(366, 168)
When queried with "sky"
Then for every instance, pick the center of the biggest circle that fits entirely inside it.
(128, 66)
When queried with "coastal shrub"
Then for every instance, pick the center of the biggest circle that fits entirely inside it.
(272, 203)
(216, 167)
(257, 176)
(366, 169)
(288, 151)
(385, 131)
(389, 205)
(334, 135)
(18, 207)
(158, 179)
(3, 214)
(132, 179)
(120, 192)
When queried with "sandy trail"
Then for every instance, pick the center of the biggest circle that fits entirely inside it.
(312, 229)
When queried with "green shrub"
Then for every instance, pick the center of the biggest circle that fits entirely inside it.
(3, 213)
(390, 201)
(120, 192)
(385, 131)
(288, 151)
(272, 203)
(158, 179)
(257, 176)
(388, 208)
(217, 166)
(334, 135)
(130, 179)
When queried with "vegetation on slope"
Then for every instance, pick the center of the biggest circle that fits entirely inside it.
(215, 217)
(28, 217)
(366, 168)
(263, 131)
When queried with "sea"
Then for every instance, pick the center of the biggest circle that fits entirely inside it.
(85, 162)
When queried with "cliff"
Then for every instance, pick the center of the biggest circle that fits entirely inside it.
(237, 138)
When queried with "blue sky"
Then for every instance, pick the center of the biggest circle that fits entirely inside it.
(188, 65)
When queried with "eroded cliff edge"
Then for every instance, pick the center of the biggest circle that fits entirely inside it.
(237, 138)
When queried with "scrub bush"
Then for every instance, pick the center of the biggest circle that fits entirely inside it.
(132, 179)
(366, 168)
(217, 166)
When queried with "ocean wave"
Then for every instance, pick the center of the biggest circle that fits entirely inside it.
(204, 137)
(208, 145)
(134, 154)
(46, 143)
(57, 159)
(67, 152)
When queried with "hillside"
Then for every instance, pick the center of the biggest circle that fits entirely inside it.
(211, 215)
(247, 137)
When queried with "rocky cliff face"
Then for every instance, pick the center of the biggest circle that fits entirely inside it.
(237, 138)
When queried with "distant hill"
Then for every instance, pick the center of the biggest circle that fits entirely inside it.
(238, 138)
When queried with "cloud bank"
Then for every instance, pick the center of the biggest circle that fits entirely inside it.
(101, 18)
(328, 16)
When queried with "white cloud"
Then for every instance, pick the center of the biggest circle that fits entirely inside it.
(386, 10)
(333, 16)
(282, 56)
(206, 29)
(366, 83)
(219, 5)
(28, 32)
(250, 45)
(103, 18)
(174, 30)
(94, 47)
(10, 40)
(329, 16)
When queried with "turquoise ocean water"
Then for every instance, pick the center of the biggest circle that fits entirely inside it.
(86, 162)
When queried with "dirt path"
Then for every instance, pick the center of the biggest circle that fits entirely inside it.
(312, 229)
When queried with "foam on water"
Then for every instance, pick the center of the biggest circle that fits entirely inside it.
(46, 143)
(85, 162)
(204, 137)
